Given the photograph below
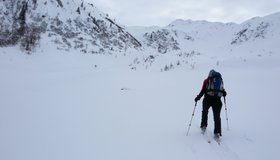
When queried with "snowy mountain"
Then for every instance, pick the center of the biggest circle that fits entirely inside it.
(67, 24)
(265, 28)
(184, 40)
(203, 36)
(75, 24)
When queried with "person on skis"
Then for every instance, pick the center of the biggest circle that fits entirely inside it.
(212, 90)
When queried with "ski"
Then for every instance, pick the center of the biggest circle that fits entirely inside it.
(208, 138)
(204, 133)
(217, 139)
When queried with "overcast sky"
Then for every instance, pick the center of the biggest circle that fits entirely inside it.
(163, 12)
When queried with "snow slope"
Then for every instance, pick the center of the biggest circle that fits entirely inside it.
(79, 106)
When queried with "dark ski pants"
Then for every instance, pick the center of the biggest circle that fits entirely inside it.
(216, 105)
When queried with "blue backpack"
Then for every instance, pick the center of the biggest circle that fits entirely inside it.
(215, 84)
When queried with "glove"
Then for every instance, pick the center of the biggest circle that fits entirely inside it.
(197, 99)
(224, 93)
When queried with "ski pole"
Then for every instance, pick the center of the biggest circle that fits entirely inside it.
(226, 112)
(191, 119)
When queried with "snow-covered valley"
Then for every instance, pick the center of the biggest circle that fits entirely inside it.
(82, 106)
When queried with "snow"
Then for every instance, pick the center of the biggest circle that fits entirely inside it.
(60, 104)
(67, 105)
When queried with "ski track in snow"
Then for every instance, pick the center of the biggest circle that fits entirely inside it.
(221, 150)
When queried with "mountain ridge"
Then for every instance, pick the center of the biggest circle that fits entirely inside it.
(203, 33)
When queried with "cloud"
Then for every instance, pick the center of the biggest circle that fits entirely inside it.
(163, 12)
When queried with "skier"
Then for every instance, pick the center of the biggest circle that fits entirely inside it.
(213, 90)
